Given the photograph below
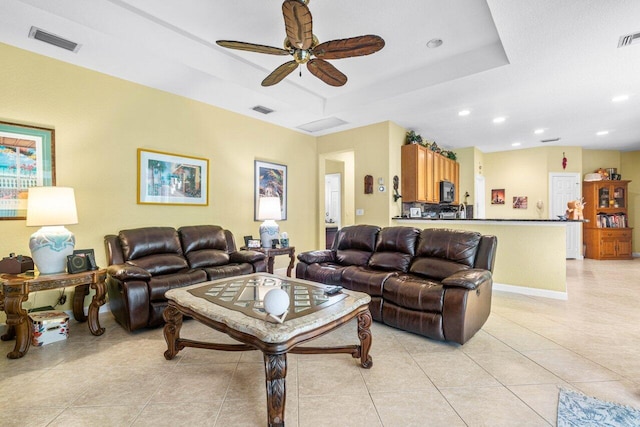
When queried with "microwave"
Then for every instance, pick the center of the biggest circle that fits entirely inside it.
(447, 192)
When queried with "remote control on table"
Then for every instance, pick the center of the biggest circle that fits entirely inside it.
(333, 290)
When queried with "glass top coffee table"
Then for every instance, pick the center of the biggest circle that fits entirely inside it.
(234, 306)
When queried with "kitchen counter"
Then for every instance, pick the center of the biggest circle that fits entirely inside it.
(490, 220)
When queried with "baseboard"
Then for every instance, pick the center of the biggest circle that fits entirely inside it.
(103, 309)
(534, 292)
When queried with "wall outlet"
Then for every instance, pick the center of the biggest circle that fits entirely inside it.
(359, 212)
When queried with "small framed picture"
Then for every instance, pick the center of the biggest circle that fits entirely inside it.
(246, 240)
(415, 212)
(253, 243)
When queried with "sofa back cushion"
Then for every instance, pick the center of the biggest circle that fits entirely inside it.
(355, 244)
(442, 252)
(395, 247)
(156, 249)
(204, 245)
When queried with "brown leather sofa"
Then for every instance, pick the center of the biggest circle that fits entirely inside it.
(144, 263)
(432, 282)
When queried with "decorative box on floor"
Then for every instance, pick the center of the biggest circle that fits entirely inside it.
(48, 326)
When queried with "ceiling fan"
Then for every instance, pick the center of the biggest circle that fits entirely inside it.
(302, 44)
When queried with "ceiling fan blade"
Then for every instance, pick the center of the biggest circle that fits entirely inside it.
(326, 72)
(298, 23)
(347, 48)
(280, 73)
(252, 47)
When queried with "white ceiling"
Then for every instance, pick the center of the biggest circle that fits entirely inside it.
(540, 63)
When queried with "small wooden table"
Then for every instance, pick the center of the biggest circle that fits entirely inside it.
(272, 253)
(15, 289)
(235, 306)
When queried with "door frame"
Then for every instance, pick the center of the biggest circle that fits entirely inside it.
(577, 226)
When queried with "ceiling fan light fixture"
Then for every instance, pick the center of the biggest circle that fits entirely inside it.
(434, 43)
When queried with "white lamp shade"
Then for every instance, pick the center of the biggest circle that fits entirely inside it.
(269, 208)
(48, 206)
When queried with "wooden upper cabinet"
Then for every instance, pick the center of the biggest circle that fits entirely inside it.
(422, 171)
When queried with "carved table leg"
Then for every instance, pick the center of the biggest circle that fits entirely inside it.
(79, 293)
(94, 308)
(292, 257)
(270, 260)
(364, 323)
(17, 323)
(173, 319)
(275, 366)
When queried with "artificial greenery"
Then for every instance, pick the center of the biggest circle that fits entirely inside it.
(414, 138)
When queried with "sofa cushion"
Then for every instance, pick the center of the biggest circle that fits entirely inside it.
(352, 257)
(424, 323)
(355, 244)
(414, 293)
(395, 248)
(161, 284)
(435, 268)
(364, 279)
(327, 273)
(207, 258)
(453, 245)
(161, 263)
(143, 242)
(198, 237)
(228, 270)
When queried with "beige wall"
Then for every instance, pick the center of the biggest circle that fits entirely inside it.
(630, 170)
(466, 160)
(101, 121)
(596, 159)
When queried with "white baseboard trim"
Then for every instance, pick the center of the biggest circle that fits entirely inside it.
(534, 292)
(103, 309)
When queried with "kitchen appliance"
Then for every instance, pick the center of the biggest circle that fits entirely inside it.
(447, 192)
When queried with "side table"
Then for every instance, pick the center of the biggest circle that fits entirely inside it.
(15, 289)
(272, 253)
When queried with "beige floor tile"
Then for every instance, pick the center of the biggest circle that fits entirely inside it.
(33, 417)
(570, 366)
(542, 398)
(337, 410)
(195, 383)
(491, 406)
(395, 372)
(511, 368)
(482, 342)
(104, 416)
(623, 392)
(454, 369)
(186, 414)
(245, 413)
(325, 377)
(426, 407)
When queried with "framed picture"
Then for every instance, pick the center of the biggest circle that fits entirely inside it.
(415, 213)
(497, 197)
(270, 181)
(26, 160)
(254, 243)
(172, 179)
(520, 202)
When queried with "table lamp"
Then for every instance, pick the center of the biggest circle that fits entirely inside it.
(51, 208)
(269, 211)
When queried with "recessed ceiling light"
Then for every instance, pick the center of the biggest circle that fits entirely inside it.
(434, 43)
(516, 144)
(464, 112)
(620, 98)
(538, 131)
(602, 132)
(499, 119)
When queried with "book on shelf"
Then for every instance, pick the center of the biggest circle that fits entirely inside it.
(618, 220)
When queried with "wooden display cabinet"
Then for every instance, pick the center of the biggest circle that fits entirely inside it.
(607, 234)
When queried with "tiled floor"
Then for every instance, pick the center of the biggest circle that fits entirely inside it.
(508, 374)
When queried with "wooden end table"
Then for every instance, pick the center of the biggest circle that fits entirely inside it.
(15, 289)
(272, 253)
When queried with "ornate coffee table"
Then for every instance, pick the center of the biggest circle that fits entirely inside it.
(234, 306)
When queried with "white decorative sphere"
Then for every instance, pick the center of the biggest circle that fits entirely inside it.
(276, 302)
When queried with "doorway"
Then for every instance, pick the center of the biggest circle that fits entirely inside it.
(563, 188)
(332, 198)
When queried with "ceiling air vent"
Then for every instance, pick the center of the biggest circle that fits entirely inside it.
(261, 109)
(629, 39)
(43, 36)
(550, 140)
(323, 124)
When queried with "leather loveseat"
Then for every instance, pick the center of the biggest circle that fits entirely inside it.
(144, 263)
(432, 282)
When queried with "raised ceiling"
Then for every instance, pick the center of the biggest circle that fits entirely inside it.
(542, 64)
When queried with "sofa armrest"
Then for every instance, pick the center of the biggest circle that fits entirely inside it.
(313, 257)
(248, 256)
(468, 279)
(126, 272)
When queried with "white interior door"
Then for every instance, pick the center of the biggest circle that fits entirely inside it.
(564, 187)
(332, 197)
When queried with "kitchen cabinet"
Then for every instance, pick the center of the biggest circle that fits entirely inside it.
(607, 234)
(422, 171)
